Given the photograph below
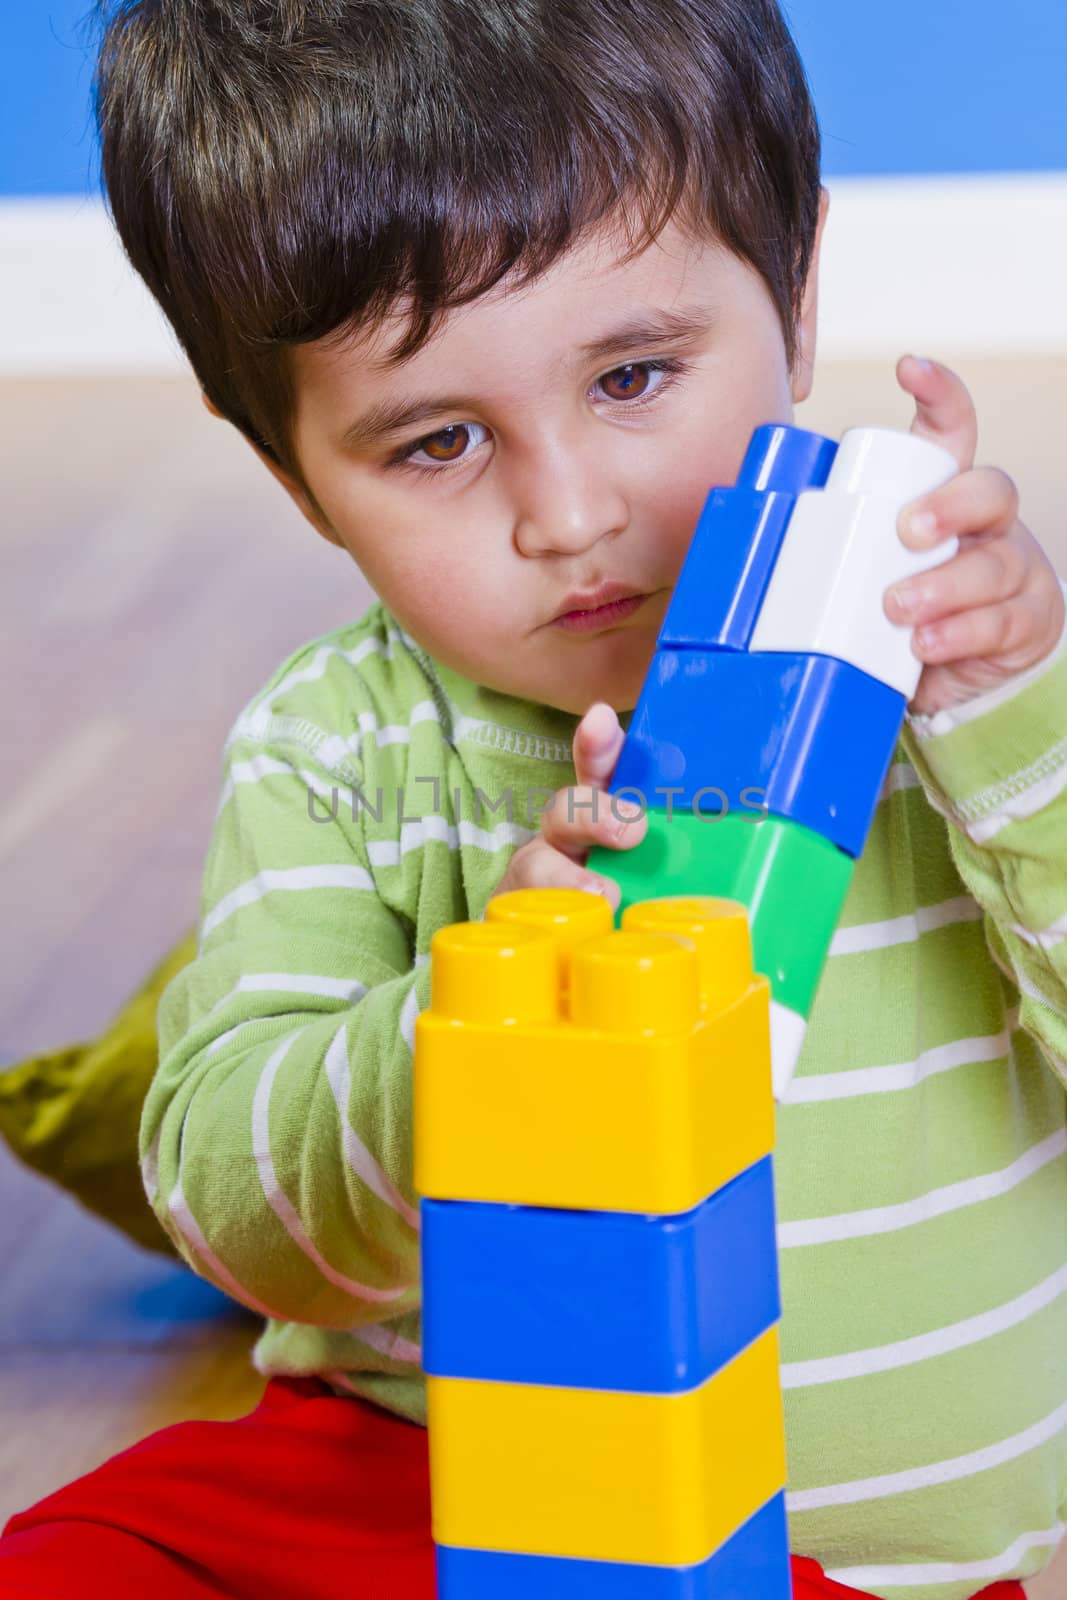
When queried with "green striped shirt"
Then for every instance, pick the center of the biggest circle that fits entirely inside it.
(370, 796)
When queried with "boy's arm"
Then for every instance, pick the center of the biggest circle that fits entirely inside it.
(996, 769)
(276, 1137)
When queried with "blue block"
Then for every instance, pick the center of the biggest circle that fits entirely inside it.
(781, 457)
(809, 736)
(720, 590)
(598, 1299)
(752, 1565)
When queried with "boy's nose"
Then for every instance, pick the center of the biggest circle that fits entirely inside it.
(565, 512)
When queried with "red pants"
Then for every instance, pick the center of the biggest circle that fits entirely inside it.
(310, 1497)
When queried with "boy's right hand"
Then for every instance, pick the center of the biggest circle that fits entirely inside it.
(580, 816)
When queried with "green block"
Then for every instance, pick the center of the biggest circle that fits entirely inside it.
(792, 881)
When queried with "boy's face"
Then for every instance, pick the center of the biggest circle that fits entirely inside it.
(543, 471)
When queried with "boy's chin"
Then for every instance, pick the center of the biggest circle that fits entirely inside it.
(572, 686)
(577, 699)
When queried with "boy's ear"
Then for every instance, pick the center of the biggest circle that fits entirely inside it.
(291, 487)
(804, 365)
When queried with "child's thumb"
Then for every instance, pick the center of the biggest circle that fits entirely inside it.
(598, 739)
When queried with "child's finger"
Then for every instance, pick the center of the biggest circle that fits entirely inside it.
(983, 501)
(944, 410)
(585, 815)
(985, 633)
(538, 866)
(598, 739)
(981, 575)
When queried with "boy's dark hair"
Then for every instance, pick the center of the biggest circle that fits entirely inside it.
(281, 170)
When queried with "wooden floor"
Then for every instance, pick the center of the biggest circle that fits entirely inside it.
(122, 671)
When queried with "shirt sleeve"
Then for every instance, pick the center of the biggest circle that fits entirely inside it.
(996, 770)
(276, 1137)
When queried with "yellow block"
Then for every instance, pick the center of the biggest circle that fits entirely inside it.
(626, 1071)
(717, 929)
(602, 1475)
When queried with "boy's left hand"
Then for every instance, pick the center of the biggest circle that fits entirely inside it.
(996, 607)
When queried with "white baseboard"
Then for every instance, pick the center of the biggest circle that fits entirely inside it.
(957, 264)
(944, 264)
(69, 300)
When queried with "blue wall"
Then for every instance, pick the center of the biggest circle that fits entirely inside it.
(47, 144)
(910, 86)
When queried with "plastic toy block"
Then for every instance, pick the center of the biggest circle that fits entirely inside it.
(752, 1565)
(732, 555)
(621, 1426)
(826, 593)
(793, 883)
(723, 945)
(808, 737)
(603, 1475)
(619, 1093)
(784, 459)
(645, 1303)
(717, 928)
(568, 915)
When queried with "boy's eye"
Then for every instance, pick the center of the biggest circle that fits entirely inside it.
(629, 386)
(448, 445)
(442, 445)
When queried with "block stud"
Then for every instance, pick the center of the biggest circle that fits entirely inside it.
(882, 461)
(493, 972)
(636, 983)
(786, 458)
(570, 916)
(718, 930)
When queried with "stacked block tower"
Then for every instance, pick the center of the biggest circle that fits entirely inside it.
(593, 1108)
(776, 697)
(593, 1127)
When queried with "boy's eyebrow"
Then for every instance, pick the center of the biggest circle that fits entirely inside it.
(645, 328)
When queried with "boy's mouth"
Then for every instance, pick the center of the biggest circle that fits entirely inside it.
(605, 607)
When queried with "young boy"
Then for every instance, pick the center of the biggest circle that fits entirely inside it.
(302, 185)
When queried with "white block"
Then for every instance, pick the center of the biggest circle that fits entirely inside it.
(788, 1029)
(842, 551)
